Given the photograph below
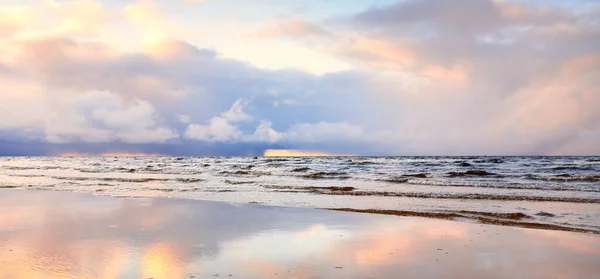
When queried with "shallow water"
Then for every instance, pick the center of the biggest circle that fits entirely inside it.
(563, 191)
(66, 235)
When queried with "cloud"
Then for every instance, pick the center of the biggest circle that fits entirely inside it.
(102, 117)
(286, 102)
(236, 112)
(221, 128)
(423, 77)
(82, 17)
(265, 133)
(487, 77)
(291, 28)
(92, 92)
(184, 118)
(147, 16)
(218, 129)
(14, 18)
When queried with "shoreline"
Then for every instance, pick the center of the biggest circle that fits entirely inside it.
(505, 219)
(486, 218)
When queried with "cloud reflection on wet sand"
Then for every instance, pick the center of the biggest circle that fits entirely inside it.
(65, 235)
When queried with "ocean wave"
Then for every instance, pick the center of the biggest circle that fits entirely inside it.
(106, 170)
(243, 173)
(188, 180)
(399, 180)
(18, 168)
(91, 170)
(361, 162)
(219, 191)
(312, 188)
(565, 177)
(302, 169)
(489, 161)
(115, 179)
(159, 169)
(427, 164)
(417, 175)
(167, 190)
(53, 168)
(422, 195)
(27, 175)
(511, 186)
(574, 168)
(227, 181)
(470, 173)
(270, 160)
(244, 167)
(545, 214)
(21, 168)
(126, 179)
(326, 175)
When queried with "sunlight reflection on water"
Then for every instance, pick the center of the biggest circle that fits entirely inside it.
(65, 235)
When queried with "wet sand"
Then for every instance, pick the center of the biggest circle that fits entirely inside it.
(67, 235)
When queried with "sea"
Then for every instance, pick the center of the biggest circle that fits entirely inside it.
(560, 193)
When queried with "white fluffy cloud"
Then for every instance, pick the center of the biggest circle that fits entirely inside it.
(218, 129)
(99, 116)
(221, 128)
(265, 133)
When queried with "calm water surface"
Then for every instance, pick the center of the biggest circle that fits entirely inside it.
(66, 235)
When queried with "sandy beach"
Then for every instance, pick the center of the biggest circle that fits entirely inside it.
(51, 235)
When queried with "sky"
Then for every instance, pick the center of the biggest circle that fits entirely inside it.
(357, 77)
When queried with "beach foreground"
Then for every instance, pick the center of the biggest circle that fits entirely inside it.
(68, 235)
